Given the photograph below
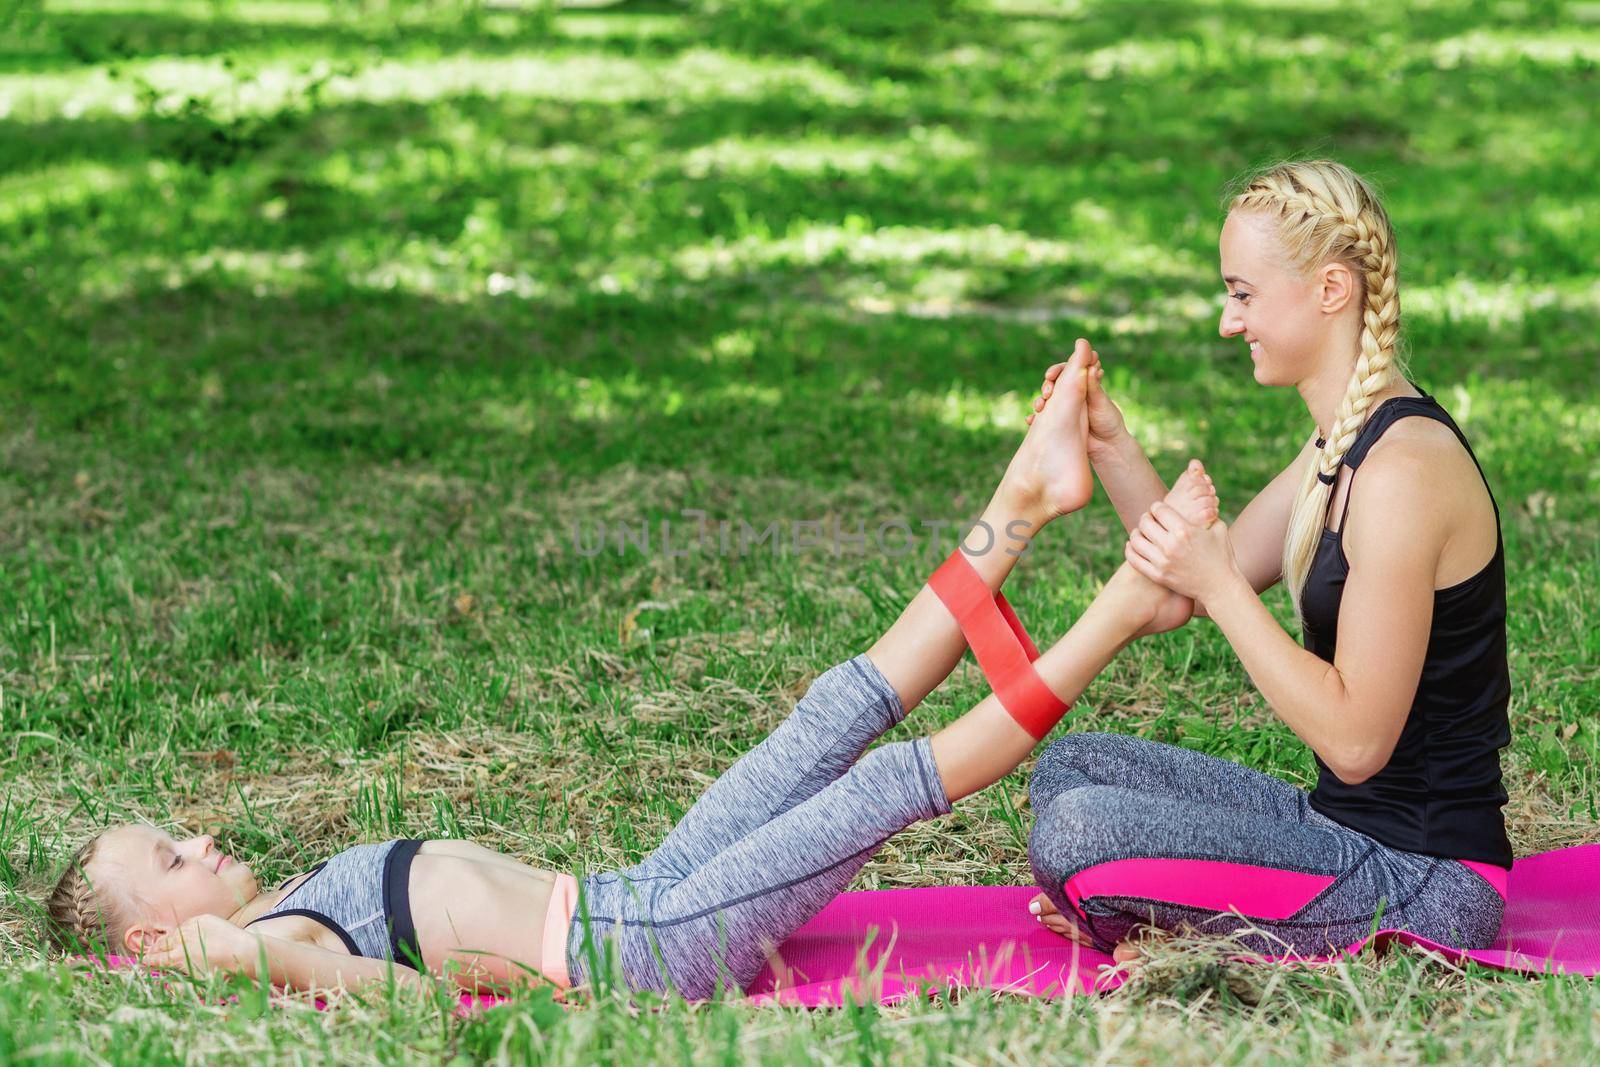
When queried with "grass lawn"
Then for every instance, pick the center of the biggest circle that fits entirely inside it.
(327, 324)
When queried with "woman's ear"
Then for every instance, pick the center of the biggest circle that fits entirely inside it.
(1338, 287)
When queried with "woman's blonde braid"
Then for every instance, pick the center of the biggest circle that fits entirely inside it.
(1325, 212)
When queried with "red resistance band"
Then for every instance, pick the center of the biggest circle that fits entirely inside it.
(1002, 647)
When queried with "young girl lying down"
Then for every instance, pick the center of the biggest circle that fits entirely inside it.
(774, 839)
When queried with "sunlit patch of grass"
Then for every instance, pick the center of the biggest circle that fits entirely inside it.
(257, 270)
(1494, 48)
(692, 75)
(1497, 305)
(262, 12)
(857, 245)
(32, 193)
(813, 156)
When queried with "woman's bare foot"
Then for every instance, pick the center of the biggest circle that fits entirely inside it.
(1156, 609)
(1051, 468)
(1051, 919)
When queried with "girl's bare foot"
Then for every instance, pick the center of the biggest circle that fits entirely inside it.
(1157, 609)
(1194, 496)
(1051, 467)
(1106, 425)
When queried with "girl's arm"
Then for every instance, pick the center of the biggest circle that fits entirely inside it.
(306, 967)
(212, 943)
(1351, 711)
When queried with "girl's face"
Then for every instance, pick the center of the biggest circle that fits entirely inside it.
(174, 880)
(1281, 314)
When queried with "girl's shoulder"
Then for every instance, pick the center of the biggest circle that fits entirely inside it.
(303, 928)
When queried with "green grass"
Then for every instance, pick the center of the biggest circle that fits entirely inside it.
(325, 323)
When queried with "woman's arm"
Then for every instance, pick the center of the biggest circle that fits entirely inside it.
(1125, 472)
(1350, 712)
(1257, 535)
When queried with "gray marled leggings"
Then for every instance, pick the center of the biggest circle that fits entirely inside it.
(780, 834)
(1130, 832)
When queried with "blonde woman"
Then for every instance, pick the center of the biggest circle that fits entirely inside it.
(1386, 534)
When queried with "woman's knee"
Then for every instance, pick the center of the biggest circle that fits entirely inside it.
(1075, 830)
(1069, 762)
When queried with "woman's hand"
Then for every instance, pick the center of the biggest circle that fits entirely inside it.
(1106, 425)
(203, 944)
(1193, 561)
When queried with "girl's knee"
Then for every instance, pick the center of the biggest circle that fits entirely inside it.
(847, 690)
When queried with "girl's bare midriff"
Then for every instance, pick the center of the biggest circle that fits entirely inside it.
(483, 914)
(486, 914)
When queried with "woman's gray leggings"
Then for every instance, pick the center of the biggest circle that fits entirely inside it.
(1129, 832)
(777, 836)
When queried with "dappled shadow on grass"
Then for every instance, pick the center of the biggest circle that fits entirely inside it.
(573, 191)
(917, 41)
(110, 36)
(1253, 101)
(907, 42)
(322, 303)
(584, 384)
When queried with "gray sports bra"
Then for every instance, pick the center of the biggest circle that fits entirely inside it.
(362, 894)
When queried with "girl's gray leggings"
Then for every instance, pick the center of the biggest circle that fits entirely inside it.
(777, 836)
(1129, 832)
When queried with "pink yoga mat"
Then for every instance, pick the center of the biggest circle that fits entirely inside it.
(1552, 923)
(892, 944)
(912, 941)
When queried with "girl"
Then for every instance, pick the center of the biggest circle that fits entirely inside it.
(1398, 577)
(768, 844)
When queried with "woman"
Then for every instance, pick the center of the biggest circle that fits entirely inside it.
(774, 839)
(1385, 532)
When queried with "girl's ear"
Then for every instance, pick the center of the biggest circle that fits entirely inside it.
(1338, 284)
(141, 937)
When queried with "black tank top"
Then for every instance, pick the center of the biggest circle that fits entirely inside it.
(1441, 792)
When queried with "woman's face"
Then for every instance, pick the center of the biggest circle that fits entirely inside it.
(1280, 313)
(174, 880)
